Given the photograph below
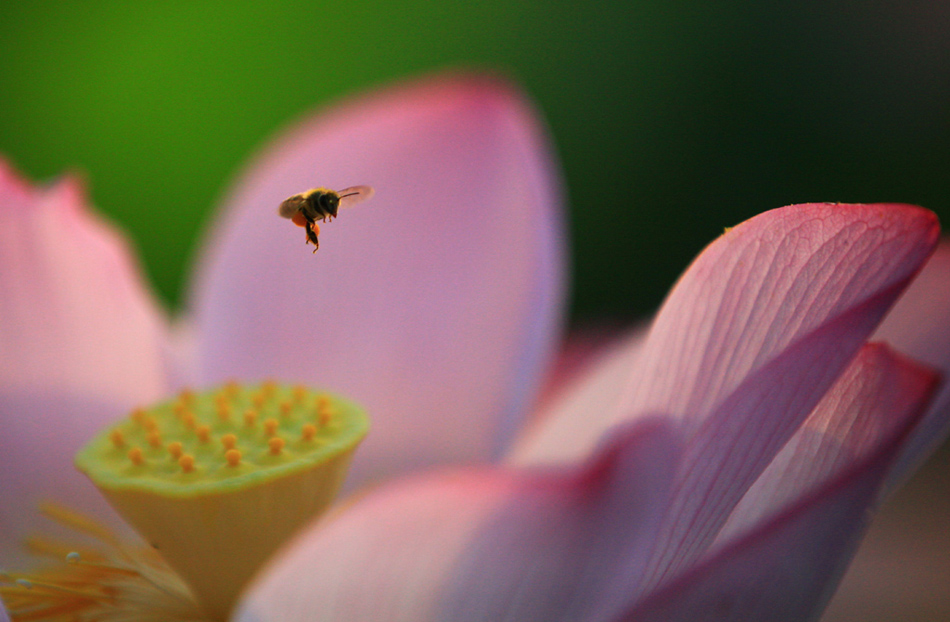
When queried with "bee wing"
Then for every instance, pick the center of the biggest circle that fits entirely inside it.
(354, 194)
(290, 206)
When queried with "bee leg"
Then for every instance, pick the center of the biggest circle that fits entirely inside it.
(312, 237)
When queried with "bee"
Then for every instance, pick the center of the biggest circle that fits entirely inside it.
(306, 208)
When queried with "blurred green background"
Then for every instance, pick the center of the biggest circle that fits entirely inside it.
(672, 119)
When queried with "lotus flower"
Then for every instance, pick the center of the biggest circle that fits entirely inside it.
(719, 466)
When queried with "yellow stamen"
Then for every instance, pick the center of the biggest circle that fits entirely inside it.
(108, 582)
(231, 389)
(175, 449)
(135, 455)
(233, 456)
(186, 397)
(187, 463)
(268, 388)
(229, 441)
(276, 445)
(224, 412)
(117, 438)
(204, 433)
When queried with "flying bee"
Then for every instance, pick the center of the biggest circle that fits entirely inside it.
(306, 208)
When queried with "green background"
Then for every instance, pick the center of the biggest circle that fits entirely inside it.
(672, 119)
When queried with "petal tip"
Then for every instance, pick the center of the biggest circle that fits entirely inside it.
(14, 188)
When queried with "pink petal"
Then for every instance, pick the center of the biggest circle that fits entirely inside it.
(872, 398)
(435, 304)
(919, 325)
(81, 341)
(587, 405)
(753, 335)
(766, 285)
(486, 545)
(786, 567)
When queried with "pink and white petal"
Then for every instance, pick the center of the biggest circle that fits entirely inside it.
(919, 325)
(481, 545)
(81, 341)
(766, 284)
(4, 616)
(43, 431)
(436, 304)
(787, 567)
(580, 409)
(875, 396)
(75, 313)
(752, 337)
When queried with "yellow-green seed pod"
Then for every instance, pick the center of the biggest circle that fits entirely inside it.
(216, 495)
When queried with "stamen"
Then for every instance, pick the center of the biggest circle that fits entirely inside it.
(119, 584)
(154, 439)
(117, 438)
(268, 388)
(229, 441)
(187, 463)
(285, 408)
(175, 449)
(186, 397)
(204, 433)
(135, 455)
(276, 445)
(270, 427)
(188, 418)
(233, 456)
(231, 389)
(250, 418)
(308, 431)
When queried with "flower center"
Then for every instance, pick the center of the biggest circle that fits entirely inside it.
(217, 481)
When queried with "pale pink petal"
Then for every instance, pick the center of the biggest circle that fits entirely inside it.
(583, 406)
(787, 567)
(435, 304)
(74, 312)
(751, 338)
(489, 545)
(42, 432)
(766, 285)
(81, 341)
(919, 325)
(4, 616)
(871, 399)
